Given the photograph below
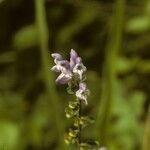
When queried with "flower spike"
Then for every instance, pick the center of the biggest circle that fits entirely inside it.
(73, 73)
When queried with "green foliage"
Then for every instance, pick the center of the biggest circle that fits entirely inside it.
(138, 24)
(114, 39)
(26, 37)
(9, 136)
(90, 145)
(83, 121)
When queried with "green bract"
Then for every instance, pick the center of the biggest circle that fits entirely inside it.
(92, 145)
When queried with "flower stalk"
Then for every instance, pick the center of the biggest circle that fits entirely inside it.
(80, 128)
(72, 73)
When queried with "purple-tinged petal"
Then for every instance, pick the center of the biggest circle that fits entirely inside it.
(56, 56)
(61, 65)
(79, 69)
(82, 86)
(82, 93)
(78, 60)
(65, 64)
(81, 96)
(73, 54)
(73, 57)
(63, 79)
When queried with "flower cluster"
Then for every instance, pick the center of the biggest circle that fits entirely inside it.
(72, 73)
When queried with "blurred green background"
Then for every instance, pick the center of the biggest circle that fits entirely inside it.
(112, 37)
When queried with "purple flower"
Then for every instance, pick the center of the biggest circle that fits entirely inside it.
(73, 58)
(82, 93)
(57, 57)
(76, 64)
(68, 70)
(79, 69)
(62, 66)
(63, 78)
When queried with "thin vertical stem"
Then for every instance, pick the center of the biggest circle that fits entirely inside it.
(80, 129)
(147, 132)
(48, 78)
(110, 72)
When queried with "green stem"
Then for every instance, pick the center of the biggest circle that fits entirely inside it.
(147, 132)
(80, 129)
(110, 72)
(48, 77)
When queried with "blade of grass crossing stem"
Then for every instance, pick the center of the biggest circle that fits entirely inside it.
(47, 76)
(109, 70)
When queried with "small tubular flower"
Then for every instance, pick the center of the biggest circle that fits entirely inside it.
(57, 57)
(62, 66)
(82, 93)
(73, 58)
(79, 70)
(63, 78)
(72, 70)
(76, 64)
(73, 73)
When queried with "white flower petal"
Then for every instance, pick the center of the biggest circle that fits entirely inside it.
(55, 68)
(56, 56)
(82, 93)
(79, 69)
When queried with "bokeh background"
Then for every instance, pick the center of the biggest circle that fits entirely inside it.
(112, 37)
